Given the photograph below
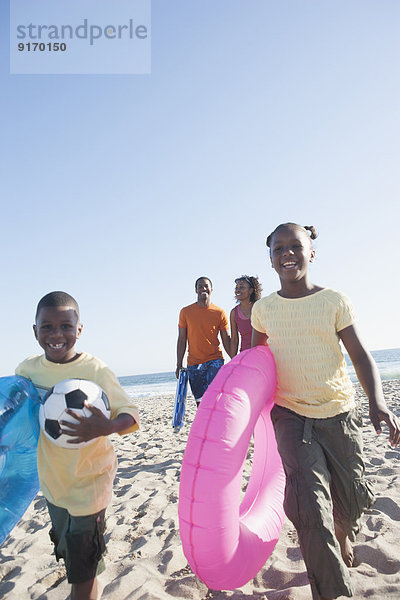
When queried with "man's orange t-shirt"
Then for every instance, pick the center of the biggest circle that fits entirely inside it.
(203, 324)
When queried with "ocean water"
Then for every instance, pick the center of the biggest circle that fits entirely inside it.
(161, 384)
(150, 385)
(388, 362)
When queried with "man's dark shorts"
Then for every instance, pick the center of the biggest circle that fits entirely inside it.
(79, 541)
(200, 376)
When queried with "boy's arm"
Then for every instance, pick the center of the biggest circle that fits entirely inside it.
(97, 425)
(180, 349)
(368, 375)
(121, 422)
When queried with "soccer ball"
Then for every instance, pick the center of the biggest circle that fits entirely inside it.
(70, 393)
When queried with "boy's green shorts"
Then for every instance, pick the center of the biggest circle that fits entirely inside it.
(79, 541)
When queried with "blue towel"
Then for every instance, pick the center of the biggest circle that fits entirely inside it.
(180, 400)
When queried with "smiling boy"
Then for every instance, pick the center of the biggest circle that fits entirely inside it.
(76, 482)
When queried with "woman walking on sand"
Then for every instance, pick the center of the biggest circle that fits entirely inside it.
(247, 291)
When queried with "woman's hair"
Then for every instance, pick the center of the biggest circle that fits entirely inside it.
(254, 283)
(310, 229)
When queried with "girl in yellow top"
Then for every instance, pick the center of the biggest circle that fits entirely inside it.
(317, 425)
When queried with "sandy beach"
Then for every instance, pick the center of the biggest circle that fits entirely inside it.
(145, 560)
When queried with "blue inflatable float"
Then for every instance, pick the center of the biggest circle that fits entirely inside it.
(180, 400)
(19, 433)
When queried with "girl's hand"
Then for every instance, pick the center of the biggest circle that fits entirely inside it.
(377, 415)
(87, 428)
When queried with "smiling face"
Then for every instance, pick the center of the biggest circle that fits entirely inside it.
(291, 252)
(57, 328)
(203, 290)
(243, 290)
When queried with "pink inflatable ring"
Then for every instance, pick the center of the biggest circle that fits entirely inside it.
(226, 543)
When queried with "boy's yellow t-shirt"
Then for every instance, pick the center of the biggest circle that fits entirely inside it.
(303, 336)
(78, 479)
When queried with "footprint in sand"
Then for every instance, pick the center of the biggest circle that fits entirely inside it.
(385, 472)
(168, 555)
(392, 455)
(377, 559)
(388, 507)
(376, 461)
(377, 525)
(53, 579)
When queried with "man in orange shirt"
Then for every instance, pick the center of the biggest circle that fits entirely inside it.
(199, 326)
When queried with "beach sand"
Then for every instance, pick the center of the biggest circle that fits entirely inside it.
(145, 559)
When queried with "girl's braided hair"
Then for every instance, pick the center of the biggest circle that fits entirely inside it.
(311, 231)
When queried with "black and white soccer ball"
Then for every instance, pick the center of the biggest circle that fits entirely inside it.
(70, 393)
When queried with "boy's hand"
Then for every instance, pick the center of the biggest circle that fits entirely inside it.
(377, 415)
(87, 428)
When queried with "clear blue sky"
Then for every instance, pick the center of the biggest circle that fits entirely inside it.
(123, 189)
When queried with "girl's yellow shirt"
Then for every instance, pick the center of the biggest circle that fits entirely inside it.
(303, 336)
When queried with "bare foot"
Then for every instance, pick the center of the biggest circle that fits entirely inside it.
(345, 546)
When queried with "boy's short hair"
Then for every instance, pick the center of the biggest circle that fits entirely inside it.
(199, 278)
(57, 299)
